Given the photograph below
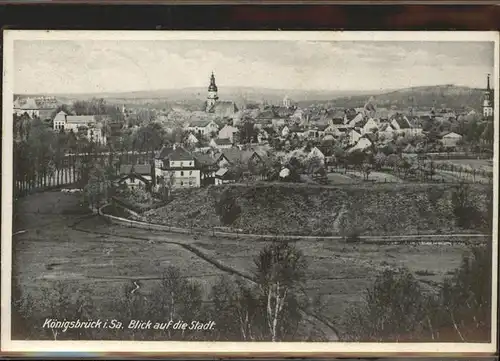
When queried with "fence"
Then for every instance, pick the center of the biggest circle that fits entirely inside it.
(44, 182)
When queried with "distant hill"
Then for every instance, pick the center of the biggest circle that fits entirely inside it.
(237, 94)
(448, 96)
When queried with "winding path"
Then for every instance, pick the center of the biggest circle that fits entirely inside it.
(328, 329)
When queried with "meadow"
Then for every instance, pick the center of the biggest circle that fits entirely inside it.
(101, 258)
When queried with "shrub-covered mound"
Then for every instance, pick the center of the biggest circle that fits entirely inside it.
(285, 209)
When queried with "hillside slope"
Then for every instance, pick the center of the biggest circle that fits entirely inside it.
(269, 209)
(447, 96)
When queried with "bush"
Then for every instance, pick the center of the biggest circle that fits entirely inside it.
(227, 209)
(396, 308)
(392, 310)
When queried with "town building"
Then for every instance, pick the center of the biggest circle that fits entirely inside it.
(221, 143)
(28, 107)
(450, 139)
(228, 132)
(223, 109)
(136, 175)
(488, 100)
(212, 94)
(202, 127)
(177, 167)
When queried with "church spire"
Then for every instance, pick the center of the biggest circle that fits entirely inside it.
(488, 87)
(212, 86)
(212, 94)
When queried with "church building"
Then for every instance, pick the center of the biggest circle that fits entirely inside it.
(488, 100)
(223, 109)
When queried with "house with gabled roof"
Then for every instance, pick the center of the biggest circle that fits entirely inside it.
(354, 122)
(402, 125)
(28, 106)
(228, 132)
(233, 156)
(224, 109)
(450, 139)
(203, 127)
(369, 126)
(221, 143)
(354, 136)
(179, 167)
(362, 144)
(207, 163)
(136, 175)
(387, 130)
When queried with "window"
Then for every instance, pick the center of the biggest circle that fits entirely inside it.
(190, 163)
(182, 183)
(182, 164)
(190, 183)
(190, 172)
(182, 174)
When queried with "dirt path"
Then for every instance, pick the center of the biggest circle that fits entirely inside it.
(327, 328)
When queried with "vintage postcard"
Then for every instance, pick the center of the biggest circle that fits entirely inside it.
(276, 193)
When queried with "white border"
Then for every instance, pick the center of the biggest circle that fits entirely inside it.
(224, 348)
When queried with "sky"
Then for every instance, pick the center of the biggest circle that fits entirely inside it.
(57, 66)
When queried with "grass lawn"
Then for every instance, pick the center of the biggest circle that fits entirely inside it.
(485, 164)
(379, 177)
(337, 178)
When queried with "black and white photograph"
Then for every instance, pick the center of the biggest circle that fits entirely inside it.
(250, 191)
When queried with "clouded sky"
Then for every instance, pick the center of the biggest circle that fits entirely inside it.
(55, 66)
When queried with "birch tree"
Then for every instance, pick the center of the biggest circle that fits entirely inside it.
(280, 270)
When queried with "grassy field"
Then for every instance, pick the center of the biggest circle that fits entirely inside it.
(52, 251)
(381, 209)
(473, 163)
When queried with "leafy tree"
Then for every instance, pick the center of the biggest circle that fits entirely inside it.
(380, 160)
(366, 168)
(247, 132)
(176, 298)
(227, 208)
(464, 303)
(280, 269)
(393, 309)
(465, 210)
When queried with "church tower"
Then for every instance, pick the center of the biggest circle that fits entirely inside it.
(212, 93)
(488, 100)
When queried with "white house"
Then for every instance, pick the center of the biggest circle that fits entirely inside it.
(191, 139)
(451, 139)
(202, 127)
(285, 131)
(369, 126)
(95, 134)
(354, 137)
(316, 153)
(29, 107)
(180, 166)
(72, 122)
(228, 132)
(362, 144)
